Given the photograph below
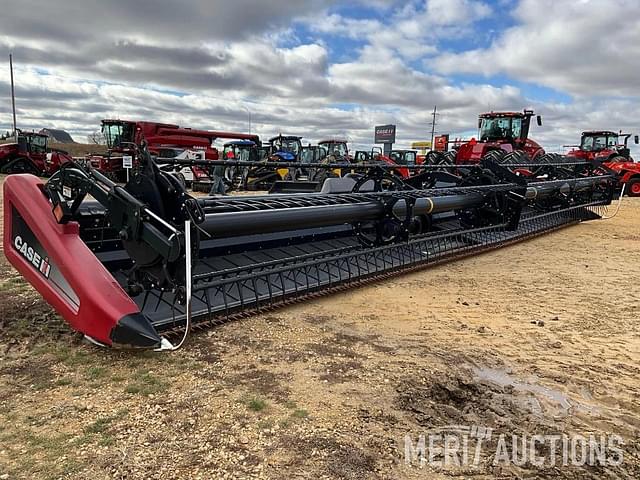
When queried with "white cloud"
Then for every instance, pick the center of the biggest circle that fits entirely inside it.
(584, 47)
(455, 12)
(338, 25)
(412, 31)
(59, 101)
(293, 86)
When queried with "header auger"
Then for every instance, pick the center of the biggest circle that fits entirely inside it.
(135, 264)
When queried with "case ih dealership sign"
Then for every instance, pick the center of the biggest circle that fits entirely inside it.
(385, 134)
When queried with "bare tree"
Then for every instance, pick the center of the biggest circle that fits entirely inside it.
(96, 138)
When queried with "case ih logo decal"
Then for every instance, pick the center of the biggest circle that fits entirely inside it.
(385, 134)
(40, 263)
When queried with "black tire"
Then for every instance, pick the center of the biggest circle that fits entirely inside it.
(633, 187)
(434, 158)
(449, 158)
(546, 159)
(515, 158)
(321, 176)
(494, 156)
(181, 179)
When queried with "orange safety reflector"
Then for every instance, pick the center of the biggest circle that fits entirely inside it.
(58, 213)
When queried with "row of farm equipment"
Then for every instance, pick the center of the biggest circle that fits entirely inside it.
(244, 162)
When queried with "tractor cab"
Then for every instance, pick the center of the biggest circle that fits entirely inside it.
(503, 133)
(397, 158)
(286, 148)
(598, 141)
(241, 150)
(364, 157)
(263, 152)
(312, 154)
(604, 145)
(510, 127)
(118, 134)
(33, 143)
(404, 157)
(337, 149)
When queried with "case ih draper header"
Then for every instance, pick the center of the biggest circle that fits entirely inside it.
(131, 266)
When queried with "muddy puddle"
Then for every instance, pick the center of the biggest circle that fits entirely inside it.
(539, 397)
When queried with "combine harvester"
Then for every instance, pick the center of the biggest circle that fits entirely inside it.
(163, 139)
(136, 266)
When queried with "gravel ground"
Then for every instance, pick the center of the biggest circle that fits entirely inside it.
(538, 338)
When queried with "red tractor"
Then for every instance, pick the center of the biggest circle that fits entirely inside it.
(31, 155)
(612, 150)
(164, 140)
(502, 135)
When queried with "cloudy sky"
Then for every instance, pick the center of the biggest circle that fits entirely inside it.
(321, 67)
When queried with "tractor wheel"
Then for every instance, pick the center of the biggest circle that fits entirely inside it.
(449, 158)
(516, 157)
(434, 158)
(494, 156)
(321, 175)
(181, 179)
(633, 187)
(546, 159)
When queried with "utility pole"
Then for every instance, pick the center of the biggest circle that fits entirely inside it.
(249, 112)
(13, 98)
(433, 124)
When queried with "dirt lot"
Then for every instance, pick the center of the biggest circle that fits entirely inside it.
(79, 149)
(538, 338)
(74, 149)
